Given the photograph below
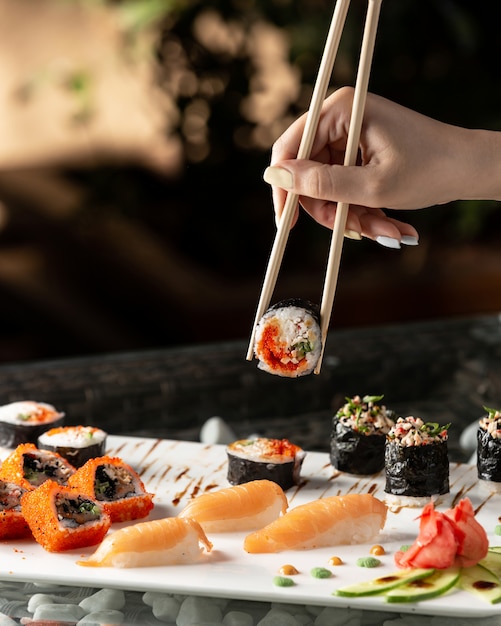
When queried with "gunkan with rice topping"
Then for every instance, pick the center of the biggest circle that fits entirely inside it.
(489, 449)
(277, 460)
(358, 435)
(416, 462)
(24, 421)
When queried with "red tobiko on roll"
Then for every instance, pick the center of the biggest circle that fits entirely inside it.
(446, 539)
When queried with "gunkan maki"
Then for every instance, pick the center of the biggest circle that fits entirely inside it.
(24, 421)
(489, 450)
(277, 460)
(358, 435)
(288, 338)
(416, 462)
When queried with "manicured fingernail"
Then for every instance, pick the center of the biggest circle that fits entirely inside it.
(388, 242)
(279, 177)
(407, 240)
(352, 234)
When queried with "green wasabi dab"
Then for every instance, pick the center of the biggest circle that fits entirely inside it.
(283, 581)
(321, 572)
(368, 561)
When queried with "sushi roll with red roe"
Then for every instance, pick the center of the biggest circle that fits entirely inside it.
(489, 450)
(358, 435)
(12, 522)
(277, 460)
(29, 467)
(77, 444)
(115, 485)
(416, 462)
(288, 340)
(25, 421)
(62, 518)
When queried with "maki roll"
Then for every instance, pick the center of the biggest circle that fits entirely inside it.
(358, 435)
(116, 486)
(416, 462)
(12, 522)
(489, 450)
(25, 421)
(29, 467)
(277, 460)
(62, 518)
(288, 340)
(77, 444)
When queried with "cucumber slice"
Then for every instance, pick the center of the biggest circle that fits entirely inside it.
(425, 588)
(492, 561)
(382, 584)
(481, 582)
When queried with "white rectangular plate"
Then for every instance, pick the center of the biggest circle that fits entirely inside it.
(177, 471)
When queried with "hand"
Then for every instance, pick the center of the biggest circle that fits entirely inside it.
(406, 161)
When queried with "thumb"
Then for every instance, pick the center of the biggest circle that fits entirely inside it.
(335, 183)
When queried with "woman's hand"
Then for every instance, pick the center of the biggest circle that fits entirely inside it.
(406, 161)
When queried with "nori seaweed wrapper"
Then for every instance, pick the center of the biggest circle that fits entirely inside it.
(417, 471)
(488, 456)
(354, 452)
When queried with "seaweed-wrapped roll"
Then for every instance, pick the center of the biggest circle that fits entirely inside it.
(489, 449)
(288, 339)
(277, 460)
(416, 462)
(25, 421)
(29, 467)
(62, 518)
(77, 444)
(358, 435)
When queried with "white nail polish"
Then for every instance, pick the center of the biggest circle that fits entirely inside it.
(407, 240)
(279, 177)
(388, 242)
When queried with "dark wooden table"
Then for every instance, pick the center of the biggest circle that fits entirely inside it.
(443, 371)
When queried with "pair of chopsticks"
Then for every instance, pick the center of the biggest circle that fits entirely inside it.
(311, 125)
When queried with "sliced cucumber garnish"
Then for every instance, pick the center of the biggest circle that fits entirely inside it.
(481, 582)
(425, 588)
(383, 584)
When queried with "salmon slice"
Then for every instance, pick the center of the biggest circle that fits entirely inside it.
(336, 520)
(168, 541)
(247, 506)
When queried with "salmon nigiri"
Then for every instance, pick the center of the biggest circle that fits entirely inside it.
(335, 520)
(247, 506)
(168, 541)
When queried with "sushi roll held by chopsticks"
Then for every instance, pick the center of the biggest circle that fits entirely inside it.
(288, 339)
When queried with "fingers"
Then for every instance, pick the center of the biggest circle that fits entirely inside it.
(362, 222)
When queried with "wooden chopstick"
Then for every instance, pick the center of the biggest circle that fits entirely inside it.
(357, 113)
(310, 130)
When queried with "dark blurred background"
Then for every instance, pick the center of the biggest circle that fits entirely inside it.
(134, 135)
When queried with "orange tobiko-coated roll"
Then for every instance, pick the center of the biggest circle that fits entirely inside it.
(12, 522)
(62, 518)
(116, 485)
(29, 467)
